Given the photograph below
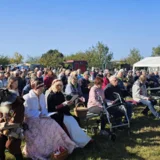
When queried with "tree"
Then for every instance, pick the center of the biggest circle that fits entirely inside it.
(52, 58)
(18, 58)
(32, 60)
(133, 57)
(101, 55)
(96, 56)
(4, 60)
(156, 51)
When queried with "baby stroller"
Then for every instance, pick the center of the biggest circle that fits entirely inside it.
(108, 109)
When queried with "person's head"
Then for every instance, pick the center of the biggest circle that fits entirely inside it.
(39, 74)
(138, 73)
(78, 71)
(12, 83)
(113, 80)
(7, 75)
(120, 74)
(33, 78)
(1, 75)
(73, 73)
(151, 73)
(50, 73)
(38, 87)
(144, 72)
(73, 80)
(57, 86)
(67, 72)
(107, 74)
(106, 71)
(16, 73)
(98, 82)
(129, 73)
(156, 73)
(86, 75)
(142, 79)
(36, 70)
(63, 71)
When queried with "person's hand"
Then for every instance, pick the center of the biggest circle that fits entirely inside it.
(67, 103)
(82, 99)
(112, 102)
(89, 87)
(148, 98)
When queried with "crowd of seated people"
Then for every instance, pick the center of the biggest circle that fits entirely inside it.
(44, 91)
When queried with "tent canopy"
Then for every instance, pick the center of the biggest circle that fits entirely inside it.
(148, 62)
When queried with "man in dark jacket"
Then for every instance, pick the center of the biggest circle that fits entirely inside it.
(85, 87)
(109, 94)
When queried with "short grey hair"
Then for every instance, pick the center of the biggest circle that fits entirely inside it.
(112, 77)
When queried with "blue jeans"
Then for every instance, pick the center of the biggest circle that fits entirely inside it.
(150, 106)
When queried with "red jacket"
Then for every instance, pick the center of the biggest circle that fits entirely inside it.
(48, 81)
(105, 82)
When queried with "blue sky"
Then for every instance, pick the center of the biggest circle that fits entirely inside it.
(32, 27)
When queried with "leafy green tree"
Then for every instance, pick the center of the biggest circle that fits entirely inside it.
(101, 55)
(17, 58)
(4, 60)
(156, 51)
(133, 57)
(52, 58)
(97, 56)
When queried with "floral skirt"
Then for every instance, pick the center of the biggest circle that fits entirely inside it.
(44, 137)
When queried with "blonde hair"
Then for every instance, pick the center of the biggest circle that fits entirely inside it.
(67, 71)
(54, 85)
(73, 74)
(142, 78)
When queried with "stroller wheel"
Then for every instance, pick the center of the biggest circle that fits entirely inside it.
(112, 137)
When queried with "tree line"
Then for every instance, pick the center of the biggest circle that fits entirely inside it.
(98, 56)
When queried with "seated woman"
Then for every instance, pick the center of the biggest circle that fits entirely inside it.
(94, 102)
(56, 103)
(73, 88)
(44, 135)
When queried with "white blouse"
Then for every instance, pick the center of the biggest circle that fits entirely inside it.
(34, 106)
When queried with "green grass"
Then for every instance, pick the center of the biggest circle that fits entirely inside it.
(142, 144)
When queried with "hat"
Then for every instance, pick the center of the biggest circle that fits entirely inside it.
(7, 97)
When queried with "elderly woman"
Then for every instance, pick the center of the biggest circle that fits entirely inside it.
(94, 102)
(44, 135)
(56, 103)
(73, 88)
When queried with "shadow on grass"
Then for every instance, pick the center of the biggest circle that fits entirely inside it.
(143, 130)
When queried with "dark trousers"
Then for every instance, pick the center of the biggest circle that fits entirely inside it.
(13, 145)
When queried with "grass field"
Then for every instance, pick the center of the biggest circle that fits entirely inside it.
(142, 144)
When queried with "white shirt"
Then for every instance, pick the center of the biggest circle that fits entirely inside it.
(34, 106)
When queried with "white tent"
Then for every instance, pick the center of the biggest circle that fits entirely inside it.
(152, 63)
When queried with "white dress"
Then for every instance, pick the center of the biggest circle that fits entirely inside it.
(76, 133)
